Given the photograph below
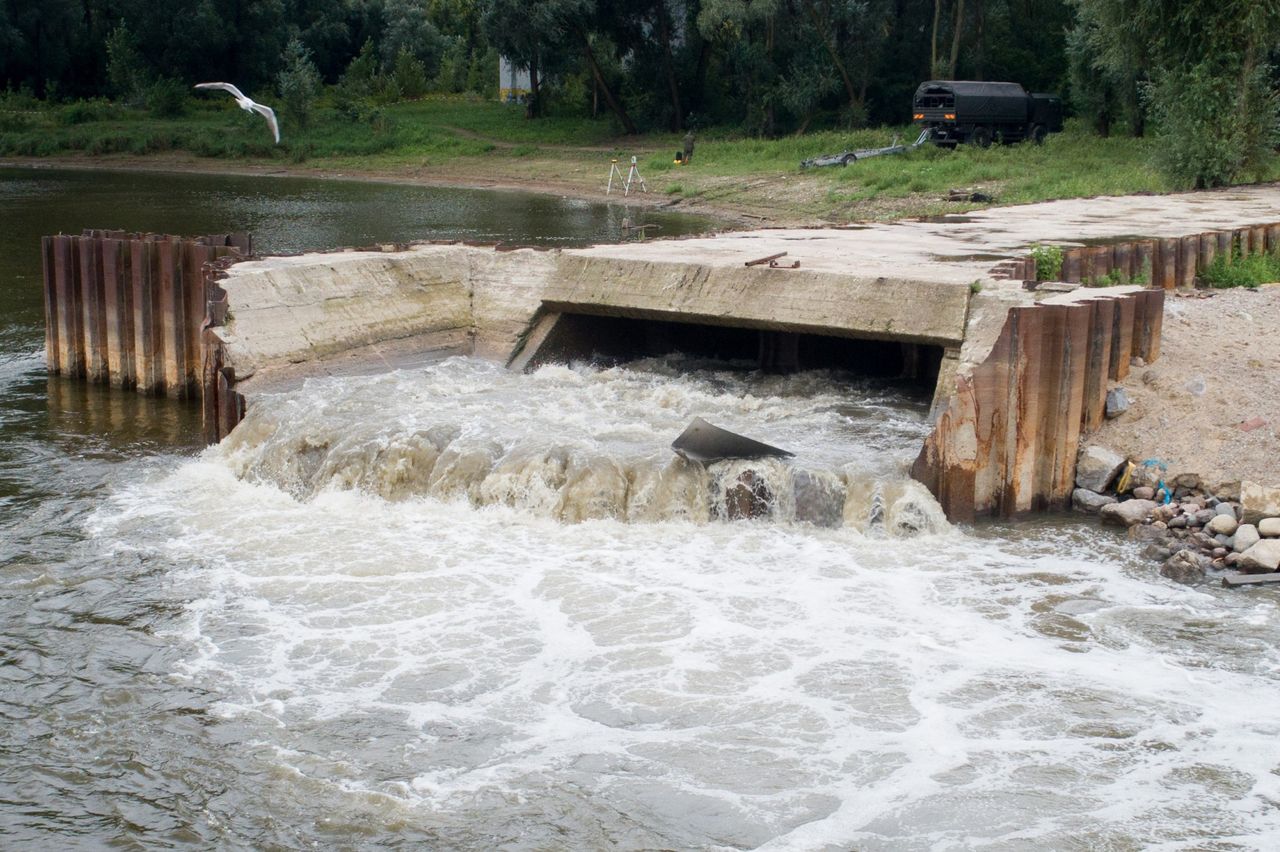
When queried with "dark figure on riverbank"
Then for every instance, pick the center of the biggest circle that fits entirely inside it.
(688, 147)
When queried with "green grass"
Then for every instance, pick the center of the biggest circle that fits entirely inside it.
(443, 127)
(1072, 164)
(469, 135)
(1242, 271)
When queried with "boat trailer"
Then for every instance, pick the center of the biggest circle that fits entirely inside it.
(846, 157)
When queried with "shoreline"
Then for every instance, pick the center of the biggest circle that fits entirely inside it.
(1195, 440)
(730, 216)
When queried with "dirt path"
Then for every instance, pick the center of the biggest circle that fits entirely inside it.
(1210, 405)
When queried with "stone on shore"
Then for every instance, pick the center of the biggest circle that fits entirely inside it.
(1084, 500)
(1269, 527)
(1246, 537)
(1096, 467)
(1258, 502)
(1117, 403)
(1262, 558)
(1223, 525)
(1144, 492)
(1128, 513)
(1185, 566)
(1226, 509)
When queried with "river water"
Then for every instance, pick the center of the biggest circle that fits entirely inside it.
(368, 625)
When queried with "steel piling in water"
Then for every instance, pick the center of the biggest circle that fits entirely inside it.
(128, 310)
(51, 307)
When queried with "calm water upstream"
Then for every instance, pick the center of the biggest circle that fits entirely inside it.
(369, 625)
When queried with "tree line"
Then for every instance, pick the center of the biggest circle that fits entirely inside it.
(1185, 68)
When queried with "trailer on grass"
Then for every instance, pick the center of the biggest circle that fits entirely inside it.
(844, 158)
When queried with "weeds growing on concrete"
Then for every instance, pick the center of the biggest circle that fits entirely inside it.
(1048, 262)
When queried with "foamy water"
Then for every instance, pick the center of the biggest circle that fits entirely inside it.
(469, 672)
(584, 443)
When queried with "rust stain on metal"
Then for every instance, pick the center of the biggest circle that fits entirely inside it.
(760, 261)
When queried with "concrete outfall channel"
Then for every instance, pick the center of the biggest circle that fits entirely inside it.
(1020, 375)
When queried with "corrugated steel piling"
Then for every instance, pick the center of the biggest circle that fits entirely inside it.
(127, 310)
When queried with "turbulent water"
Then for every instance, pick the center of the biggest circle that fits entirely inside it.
(591, 444)
(453, 608)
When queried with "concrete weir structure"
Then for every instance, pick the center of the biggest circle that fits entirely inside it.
(1019, 373)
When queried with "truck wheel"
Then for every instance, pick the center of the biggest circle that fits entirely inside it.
(847, 159)
(1038, 134)
(981, 136)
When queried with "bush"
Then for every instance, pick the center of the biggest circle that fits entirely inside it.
(410, 74)
(454, 64)
(1214, 126)
(167, 98)
(360, 79)
(81, 112)
(298, 83)
(482, 74)
(1048, 262)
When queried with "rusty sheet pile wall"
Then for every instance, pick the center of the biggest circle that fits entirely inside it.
(223, 407)
(1007, 439)
(1165, 263)
(126, 309)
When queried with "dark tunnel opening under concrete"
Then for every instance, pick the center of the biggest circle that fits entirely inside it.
(613, 339)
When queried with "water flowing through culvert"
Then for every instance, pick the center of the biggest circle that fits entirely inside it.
(395, 631)
(585, 443)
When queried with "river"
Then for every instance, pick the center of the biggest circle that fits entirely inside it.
(370, 625)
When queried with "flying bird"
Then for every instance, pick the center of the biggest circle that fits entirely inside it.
(248, 105)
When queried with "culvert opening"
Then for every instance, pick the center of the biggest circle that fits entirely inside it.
(609, 339)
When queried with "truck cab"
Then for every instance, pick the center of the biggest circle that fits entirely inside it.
(980, 112)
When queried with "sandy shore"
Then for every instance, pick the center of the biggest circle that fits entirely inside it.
(1210, 405)
(566, 185)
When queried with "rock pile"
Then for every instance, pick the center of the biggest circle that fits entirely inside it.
(1188, 528)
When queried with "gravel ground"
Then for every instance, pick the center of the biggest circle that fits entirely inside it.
(1218, 371)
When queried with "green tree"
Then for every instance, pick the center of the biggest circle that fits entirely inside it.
(744, 31)
(1210, 92)
(126, 72)
(532, 35)
(298, 83)
(1107, 68)
(410, 74)
(1214, 126)
(409, 28)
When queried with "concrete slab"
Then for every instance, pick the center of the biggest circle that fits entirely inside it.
(962, 248)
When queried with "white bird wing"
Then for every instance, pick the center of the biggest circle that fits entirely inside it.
(270, 115)
(226, 87)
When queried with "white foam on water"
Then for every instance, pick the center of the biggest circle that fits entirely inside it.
(714, 685)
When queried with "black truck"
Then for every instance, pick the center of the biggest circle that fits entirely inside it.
(980, 113)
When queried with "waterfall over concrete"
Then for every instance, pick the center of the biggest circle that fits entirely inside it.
(588, 443)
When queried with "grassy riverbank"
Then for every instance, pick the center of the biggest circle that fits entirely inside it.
(465, 141)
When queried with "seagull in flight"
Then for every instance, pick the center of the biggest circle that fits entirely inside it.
(248, 105)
